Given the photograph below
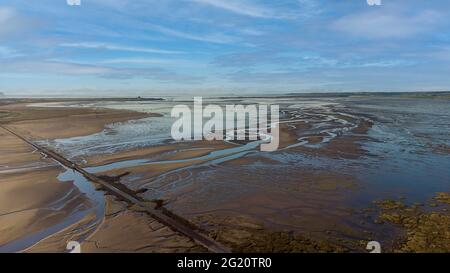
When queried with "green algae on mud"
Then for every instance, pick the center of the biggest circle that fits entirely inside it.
(424, 230)
(442, 197)
(264, 241)
(246, 235)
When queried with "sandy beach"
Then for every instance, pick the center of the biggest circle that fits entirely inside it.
(33, 199)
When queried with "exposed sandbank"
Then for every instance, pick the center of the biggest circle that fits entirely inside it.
(32, 198)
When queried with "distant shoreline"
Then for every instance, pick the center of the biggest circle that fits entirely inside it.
(409, 94)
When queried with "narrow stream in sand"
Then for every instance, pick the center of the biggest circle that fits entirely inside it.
(95, 197)
(213, 158)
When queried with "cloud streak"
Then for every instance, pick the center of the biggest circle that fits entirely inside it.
(218, 38)
(106, 46)
(382, 25)
(48, 67)
(241, 7)
(13, 24)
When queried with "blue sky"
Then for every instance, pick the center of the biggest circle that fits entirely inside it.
(130, 47)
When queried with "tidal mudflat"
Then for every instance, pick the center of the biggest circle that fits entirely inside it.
(349, 169)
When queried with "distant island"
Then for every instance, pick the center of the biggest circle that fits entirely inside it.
(2, 94)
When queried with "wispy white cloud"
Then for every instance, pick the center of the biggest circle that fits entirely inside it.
(13, 24)
(137, 61)
(243, 8)
(6, 52)
(300, 61)
(251, 31)
(380, 24)
(380, 63)
(107, 46)
(310, 8)
(439, 53)
(299, 9)
(218, 38)
(53, 67)
(6, 14)
(151, 61)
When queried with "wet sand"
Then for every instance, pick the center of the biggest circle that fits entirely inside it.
(165, 152)
(250, 201)
(31, 197)
(37, 210)
(62, 122)
(122, 230)
(293, 206)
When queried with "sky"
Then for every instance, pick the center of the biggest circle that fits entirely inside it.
(137, 47)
